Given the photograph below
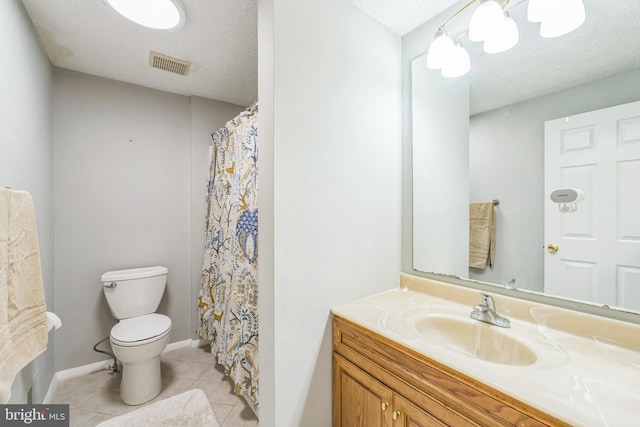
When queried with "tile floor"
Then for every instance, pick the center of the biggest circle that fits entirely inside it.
(95, 397)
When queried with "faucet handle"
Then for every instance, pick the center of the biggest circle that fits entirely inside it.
(479, 308)
(487, 301)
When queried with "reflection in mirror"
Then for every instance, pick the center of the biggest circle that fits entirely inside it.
(511, 97)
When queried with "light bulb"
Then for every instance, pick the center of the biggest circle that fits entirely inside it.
(439, 50)
(157, 14)
(458, 63)
(504, 39)
(484, 20)
(565, 16)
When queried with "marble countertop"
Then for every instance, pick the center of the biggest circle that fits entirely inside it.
(587, 370)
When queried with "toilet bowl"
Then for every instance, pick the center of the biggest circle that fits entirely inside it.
(137, 343)
(141, 335)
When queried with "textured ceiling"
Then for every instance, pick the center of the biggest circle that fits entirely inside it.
(607, 43)
(402, 17)
(219, 39)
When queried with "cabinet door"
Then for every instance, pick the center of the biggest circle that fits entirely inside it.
(406, 414)
(359, 400)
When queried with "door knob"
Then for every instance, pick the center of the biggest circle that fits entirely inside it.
(552, 248)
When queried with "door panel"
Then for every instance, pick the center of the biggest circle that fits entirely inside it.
(598, 256)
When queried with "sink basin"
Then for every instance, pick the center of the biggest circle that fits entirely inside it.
(475, 339)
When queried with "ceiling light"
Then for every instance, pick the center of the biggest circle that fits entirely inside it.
(491, 24)
(439, 50)
(504, 38)
(484, 20)
(564, 16)
(157, 14)
(458, 63)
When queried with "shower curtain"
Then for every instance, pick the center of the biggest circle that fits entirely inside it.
(228, 300)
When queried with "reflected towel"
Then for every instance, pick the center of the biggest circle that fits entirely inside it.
(23, 319)
(482, 235)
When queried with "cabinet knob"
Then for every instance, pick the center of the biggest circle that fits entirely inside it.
(385, 405)
(396, 415)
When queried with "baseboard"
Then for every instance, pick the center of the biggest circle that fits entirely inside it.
(176, 345)
(198, 343)
(53, 385)
(67, 374)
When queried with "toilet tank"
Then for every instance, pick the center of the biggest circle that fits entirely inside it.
(134, 292)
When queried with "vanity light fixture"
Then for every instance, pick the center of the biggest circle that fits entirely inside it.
(156, 14)
(491, 24)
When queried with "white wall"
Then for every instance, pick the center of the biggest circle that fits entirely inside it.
(507, 162)
(26, 156)
(266, 199)
(336, 190)
(123, 179)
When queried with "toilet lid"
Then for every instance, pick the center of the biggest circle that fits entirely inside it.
(141, 327)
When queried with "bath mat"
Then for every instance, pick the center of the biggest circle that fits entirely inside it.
(189, 409)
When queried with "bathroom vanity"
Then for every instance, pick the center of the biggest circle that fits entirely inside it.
(414, 357)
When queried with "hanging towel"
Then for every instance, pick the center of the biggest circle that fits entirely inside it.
(482, 235)
(23, 319)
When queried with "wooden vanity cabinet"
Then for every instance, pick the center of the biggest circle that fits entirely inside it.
(379, 383)
(363, 401)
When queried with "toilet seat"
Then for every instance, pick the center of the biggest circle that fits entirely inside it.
(140, 330)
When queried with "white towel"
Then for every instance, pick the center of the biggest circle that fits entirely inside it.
(190, 408)
(23, 319)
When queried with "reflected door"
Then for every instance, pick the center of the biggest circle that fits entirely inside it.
(593, 253)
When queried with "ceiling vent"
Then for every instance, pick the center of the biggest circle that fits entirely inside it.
(167, 63)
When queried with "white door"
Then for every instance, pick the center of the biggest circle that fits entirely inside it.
(598, 245)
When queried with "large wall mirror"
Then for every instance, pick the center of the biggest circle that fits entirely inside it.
(481, 138)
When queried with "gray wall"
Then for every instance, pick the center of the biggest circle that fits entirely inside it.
(330, 198)
(507, 162)
(124, 199)
(26, 156)
(206, 117)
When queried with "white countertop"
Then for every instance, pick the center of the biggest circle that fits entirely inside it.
(587, 370)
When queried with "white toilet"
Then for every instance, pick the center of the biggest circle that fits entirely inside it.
(141, 334)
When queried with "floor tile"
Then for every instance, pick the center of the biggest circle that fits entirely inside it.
(95, 397)
(241, 416)
(98, 419)
(221, 411)
(224, 394)
(184, 369)
(78, 417)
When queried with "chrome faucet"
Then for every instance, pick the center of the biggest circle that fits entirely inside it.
(486, 312)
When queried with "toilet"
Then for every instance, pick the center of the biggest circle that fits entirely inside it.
(141, 334)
